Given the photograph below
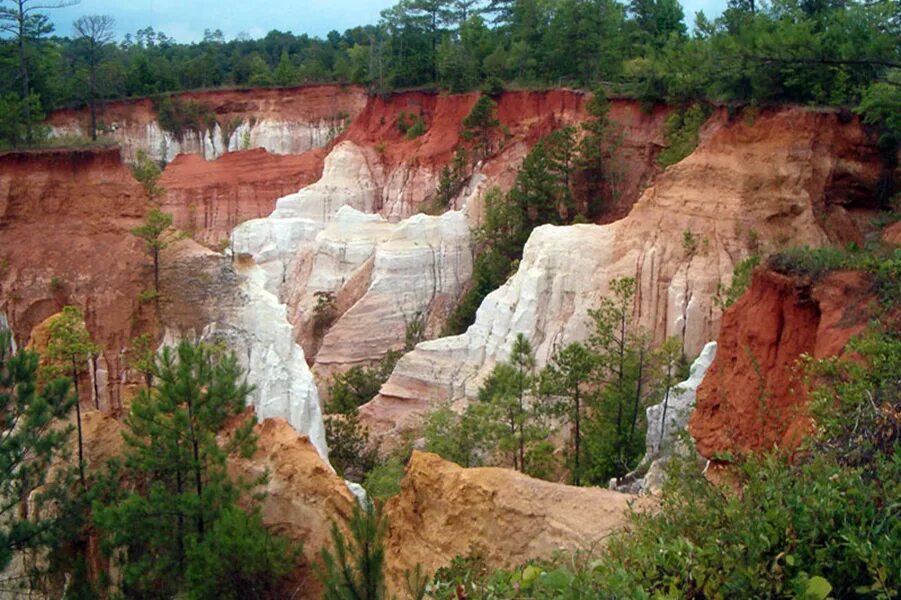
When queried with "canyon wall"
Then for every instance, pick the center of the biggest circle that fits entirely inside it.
(753, 397)
(65, 221)
(281, 121)
(748, 187)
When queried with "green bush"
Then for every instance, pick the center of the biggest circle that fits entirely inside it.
(682, 129)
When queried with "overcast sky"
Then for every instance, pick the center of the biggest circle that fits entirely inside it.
(185, 20)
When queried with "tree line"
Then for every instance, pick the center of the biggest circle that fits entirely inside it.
(833, 52)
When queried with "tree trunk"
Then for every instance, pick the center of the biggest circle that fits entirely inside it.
(93, 92)
(198, 471)
(156, 271)
(577, 435)
(78, 424)
(23, 75)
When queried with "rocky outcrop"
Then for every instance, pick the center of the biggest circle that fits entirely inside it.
(667, 422)
(753, 397)
(65, 221)
(444, 511)
(234, 306)
(746, 187)
(303, 495)
(384, 277)
(282, 121)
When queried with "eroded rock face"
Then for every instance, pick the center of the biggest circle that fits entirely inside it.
(303, 495)
(444, 510)
(753, 396)
(744, 187)
(234, 306)
(384, 276)
(284, 121)
(65, 222)
(208, 199)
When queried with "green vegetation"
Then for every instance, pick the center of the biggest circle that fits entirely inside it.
(832, 53)
(172, 524)
(816, 524)
(356, 569)
(178, 116)
(152, 233)
(34, 437)
(741, 279)
(69, 347)
(565, 178)
(681, 132)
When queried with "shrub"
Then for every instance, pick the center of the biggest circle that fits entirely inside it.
(682, 128)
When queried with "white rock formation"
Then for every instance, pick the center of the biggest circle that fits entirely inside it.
(385, 276)
(682, 239)
(275, 135)
(273, 241)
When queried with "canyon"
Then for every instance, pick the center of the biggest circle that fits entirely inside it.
(316, 196)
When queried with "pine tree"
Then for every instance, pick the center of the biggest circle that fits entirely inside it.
(152, 233)
(480, 124)
(68, 350)
(568, 376)
(177, 465)
(31, 442)
(355, 571)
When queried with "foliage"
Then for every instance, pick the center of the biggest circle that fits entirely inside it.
(453, 177)
(741, 279)
(238, 559)
(147, 172)
(480, 124)
(151, 232)
(33, 439)
(348, 442)
(175, 519)
(354, 568)
(178, 116)
(69, 347)
(813, 525)
(383, 480)
(681, 132)
(881, 263)
(324, 312)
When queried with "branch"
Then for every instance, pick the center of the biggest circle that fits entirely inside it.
(879, 62)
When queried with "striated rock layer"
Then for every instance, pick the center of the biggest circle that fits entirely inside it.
(747, 187)
(753, 397)
(65, 221)
(444, 511)
(282, 121)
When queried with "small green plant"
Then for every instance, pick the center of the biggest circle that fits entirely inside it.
(324, 312)
(354, 568)
(416, 129)
(741, 279)
(147, 297)
(689, 244)
(682, 132)
(56, 285)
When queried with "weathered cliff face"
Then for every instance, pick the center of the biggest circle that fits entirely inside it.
(383, 276)
(282, 121)
(233, 306)
(208, 199)
(753, 397)
(445, 511)
(744, 186)
(65, 221)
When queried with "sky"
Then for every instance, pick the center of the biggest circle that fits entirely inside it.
(185, 20)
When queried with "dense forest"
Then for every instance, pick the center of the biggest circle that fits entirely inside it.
(832, 52)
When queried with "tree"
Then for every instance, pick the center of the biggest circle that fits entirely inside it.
(512, 417)
(156, 222)
(568, 376)
(148, 174)
(178, 519)
(356, 569)
(21, 19)
(96, 31)
(32, 440)
(543, 185)
(480, 124)
(68, 349)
